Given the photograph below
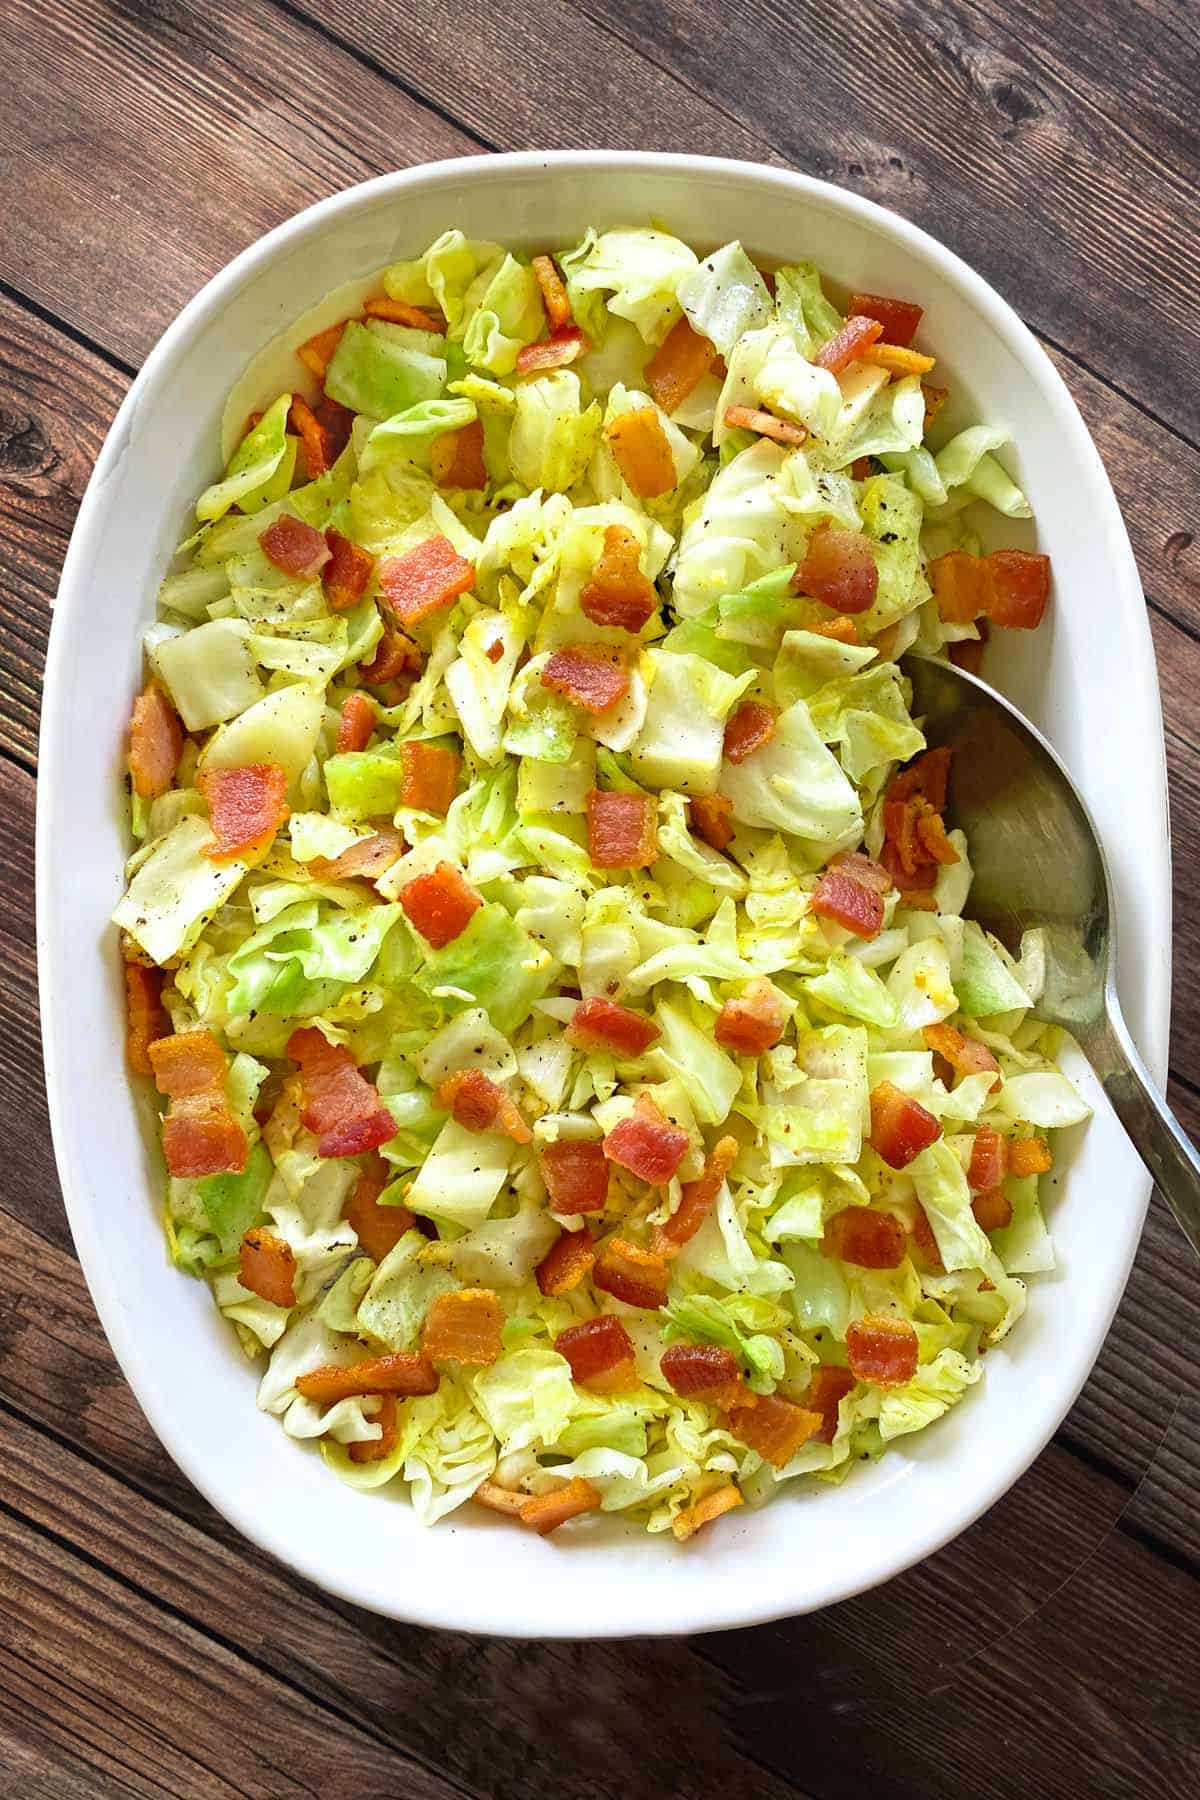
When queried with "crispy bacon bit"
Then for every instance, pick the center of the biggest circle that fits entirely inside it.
(898, 361)
(1016, 588)
(635, 1276)
(603, 1025)
(622, 830)
(395, 655)
(155, 742)
(882, 1350)
(900, 1127)
(146, 1018)
(841, 630)
(826, 1391)
(681, 360)
(494, 651)
(752, 1023)
(931, 835)
(339, 1104)
(646, 1145)
(246, 807)
(617, 593)
(366, 859)
(1030, 1156)
(399, 312)
(564, 346)
(369, 1450)
(500, 1499)
(712, 819)
(957, 582)
(927, 778)
(848, 343)
(924, 1242)
(765, 424)
(336, 421)
(839, 570)
(696, 1200)
(267, 1267)
(750, 726)
(188, 1066)
(296, 548)
(642, 452)
(554, 293)
(702, 1512)
(478, 1103)
(356, 723)
(850, 893)
(915, 841)
(576, 1176)
(347, 572)
(600, 1352)
(456, 458)
(989, 1160)
(966, 1056)
(464, 1327)
(773, 1426)
(704, 1372)
(399, 1372)
(899, 318)
(869, 1239)
(546, 1512)
(200, 1135)
(378, 1228)
(317, 353)
(992, 1209)
(594, 678)
(430, 776)
(424, 580)
(439, 904)
(568, 1260)
(314, 444)
(935, 399)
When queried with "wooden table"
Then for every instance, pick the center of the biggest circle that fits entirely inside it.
(144, 1649)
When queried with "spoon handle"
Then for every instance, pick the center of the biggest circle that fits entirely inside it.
(1153, 1129)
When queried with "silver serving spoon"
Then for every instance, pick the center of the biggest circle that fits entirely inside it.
(1038, 861)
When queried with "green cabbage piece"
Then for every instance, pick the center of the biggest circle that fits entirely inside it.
(640, 269)
(553, 436)
(252, 464)
(378, 372)
(724, 296)
(795, 784)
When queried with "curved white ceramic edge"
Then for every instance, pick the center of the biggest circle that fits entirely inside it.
(1089, 680)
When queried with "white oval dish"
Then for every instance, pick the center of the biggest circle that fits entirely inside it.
(1087, 678)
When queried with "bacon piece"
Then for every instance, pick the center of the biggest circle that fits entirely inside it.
(155, 742)
(622, 830)
(314, 444)
(853, 903)
(336, 421)
(188, 1066)
(399, 1372)
(576, 1176)
(464, 1326)
(146, 1018)
(494, 651)
(696, 1200)
(594, 678)
(870, 1240)
(826, 1391)
(500, 1499)
(711, 818)
(848, 343)
(424, 580)
(630, 1274)
(749, 727)
(882, 1350)
(935, 399)
(702, 1512)
(927, 779)
(369, 1450)
(367, 859)
(642, 452)
(773, 1426)
(267, 1266)
(555, 300)
(966, 1056)
(765, 424)
(399, 312)
(429, 780)
(600, 1352)
(202, 1137)
(546, 1512)
(564, 346)
(754, 1022)
(898, 361)
(567, 1261)
(347, 572)
(317, 352)
(603, 1025)
(456, 457)
(989, 1160)
(704, 1372)
(682, 360)
(646, 1145)
(1030, 1156)
(378, 1228)
(957, 582)
(356, 723)
(839, 570)
(477, 1103)
(931, 835)
(617, 593)
(992, 1209)
(900, 1127)
(296, 548)
(395, 654)
(899, 318)
(439, 904)
(339, 1104)
(246, 807)
(924, 1242)
(1016, 588)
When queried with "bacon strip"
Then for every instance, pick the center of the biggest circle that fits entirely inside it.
(989, 1160)
(146, 1019)
(753, 1023)
(1016, 588)
(924, 1241)
(870, 1240)
(356, 723)
(267, 1267)
(369, 1450)
(576, 1176)
(340, 1105)
(246, 807)
(500, 1499)
(622, 830)
(992, 1209)
(635, 1276)
(765, 424)
(642, 452)
(439, 904)
(399, 1372)
(599, 1024)
(378, 1228)
(399, 312)
(841, 630)
(600, 1352)
(425, 580)
(826, 1391)
(594, 678)
(477, 1103)
(429, 780)
(882, 1350)
(568, 1260)
(314, 443)
(935, 399)
(682, 360)
(395, 654)
(773, 1426)
(617, 593)
(711, 818)
(750, 726)
(347, 572)
(704, 1372)
(898, 318)
(564, 346)
(200, 1135)
(843, 895)
(316, 353)
(155, 742)
(957, 582)
(456, 458)
(367, 859)
(696, 1200)
(464, 1327)
(900, 1127)
(966, 1056)
(848, 343)
(554, 293)
(298, 549)
(702, 1512)
(646, 1145)
(1030, 1156)
(546, 1512)
(898, 361)
(839, 570)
